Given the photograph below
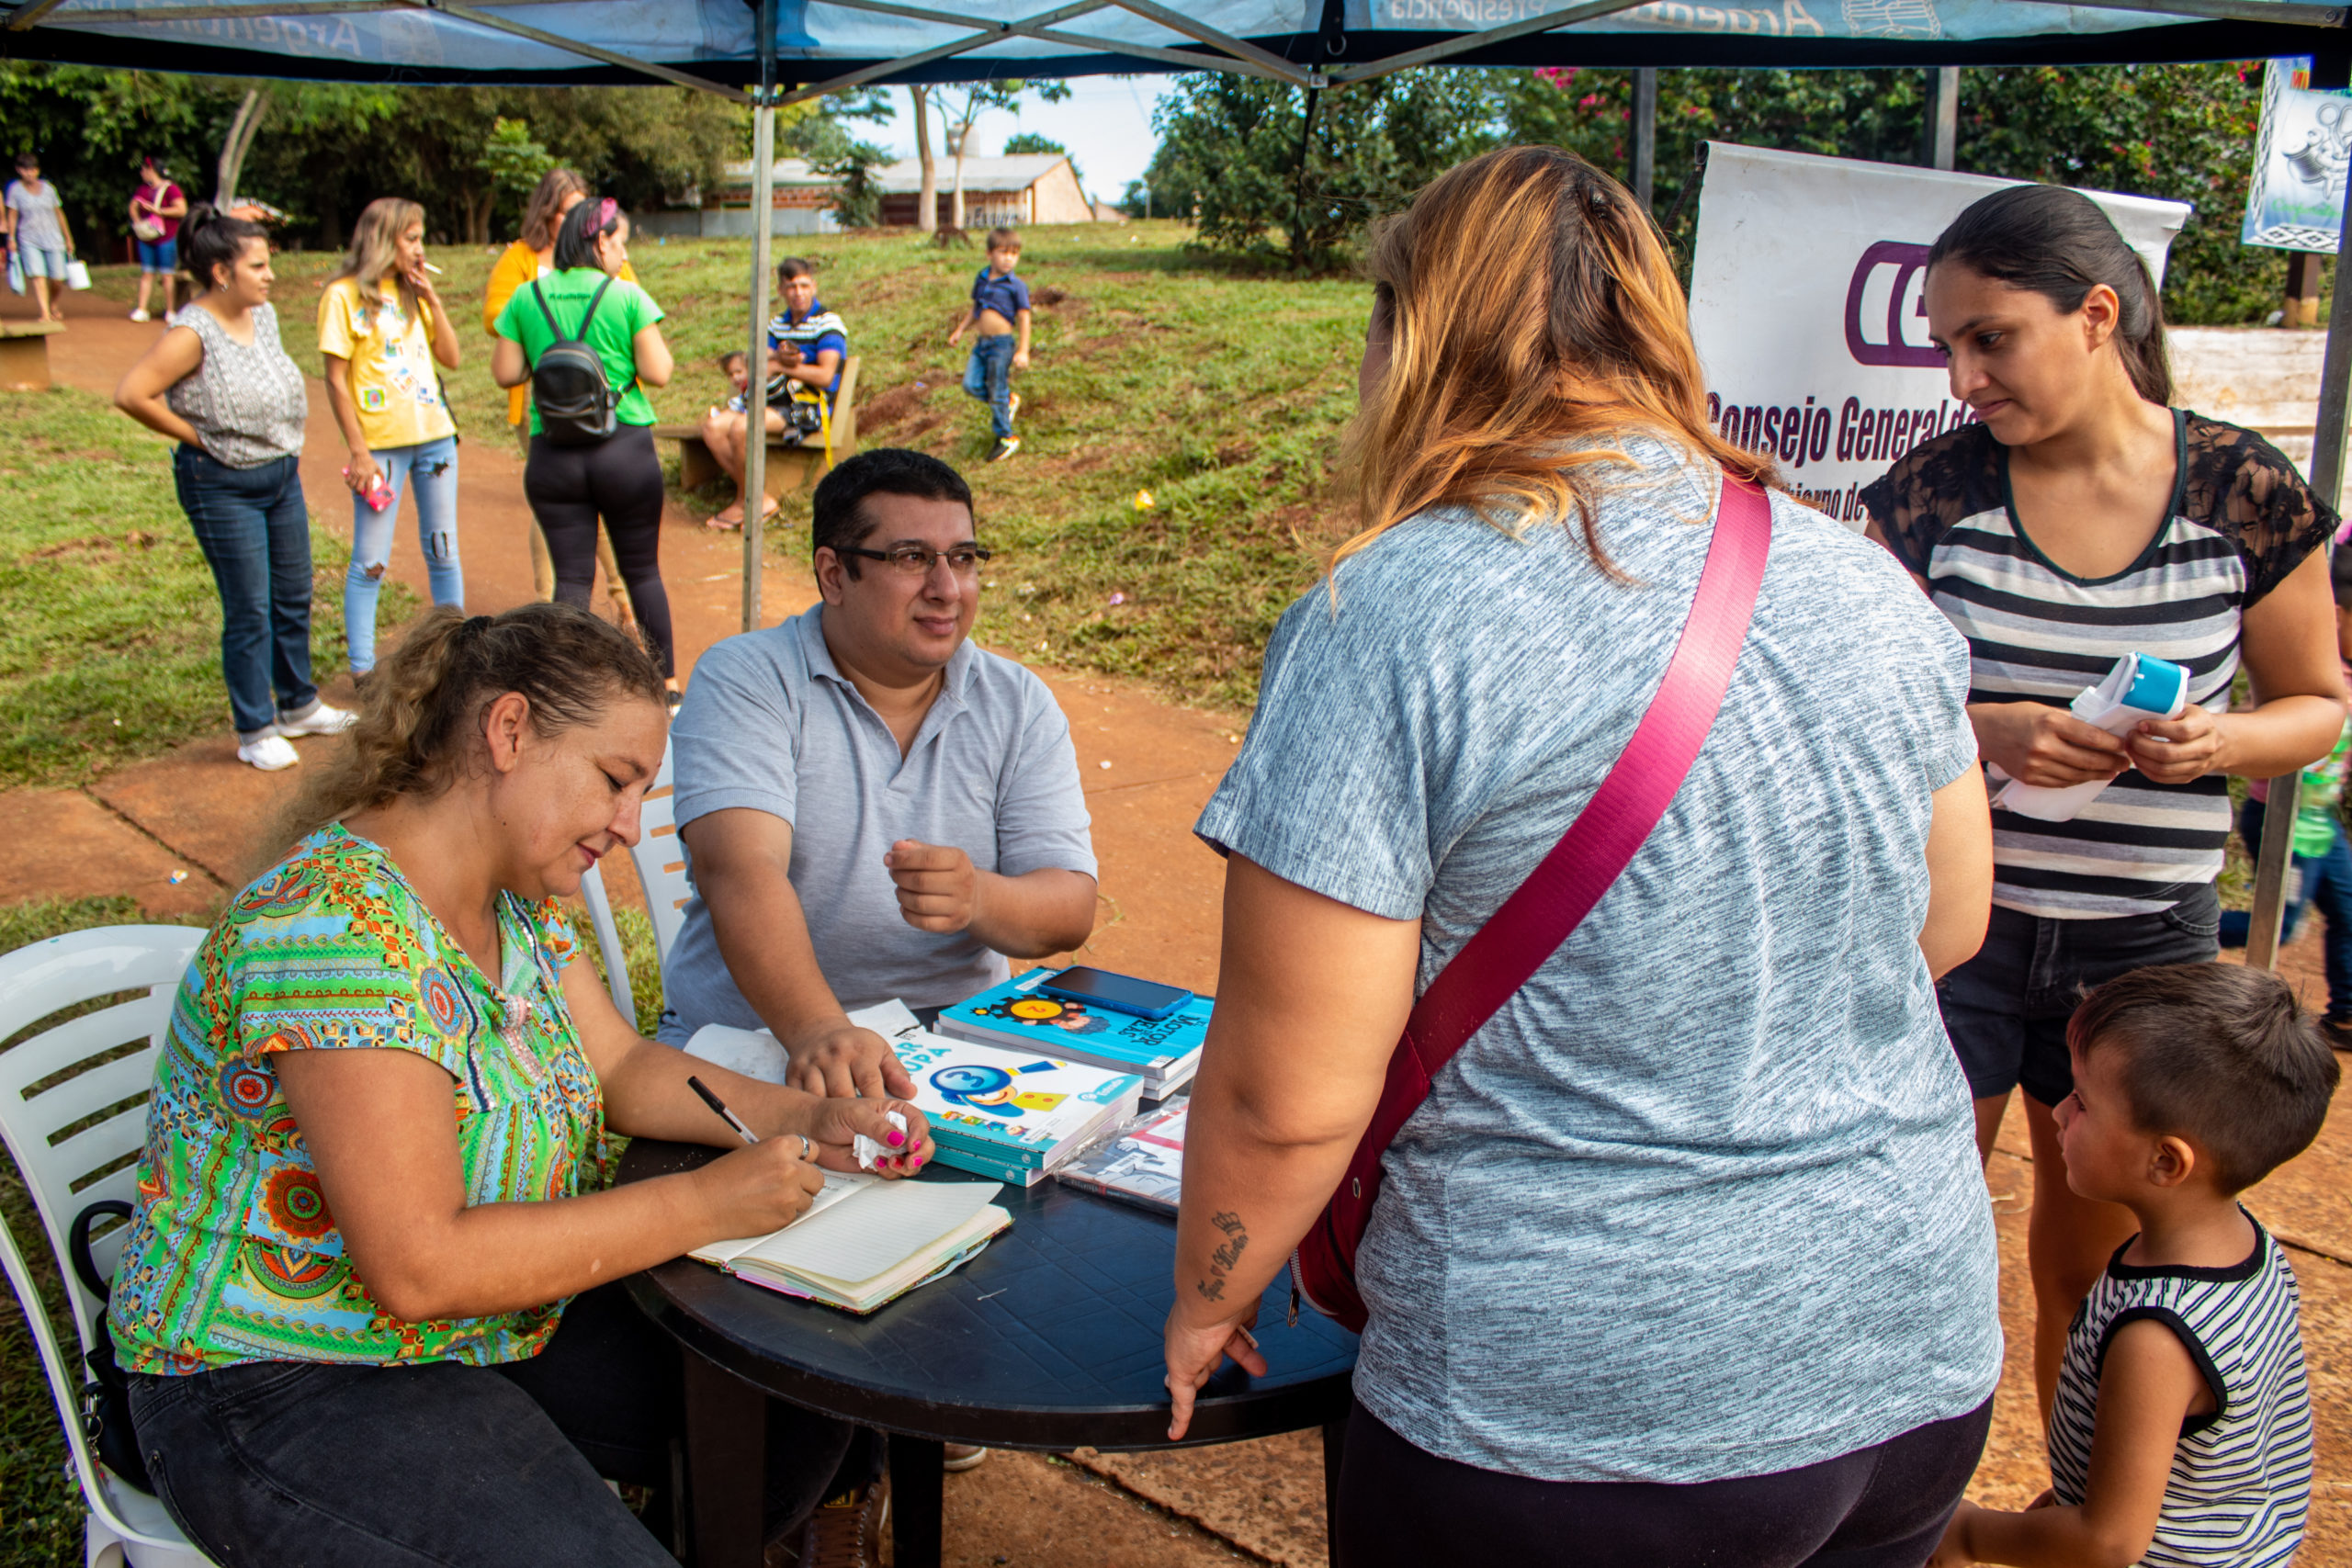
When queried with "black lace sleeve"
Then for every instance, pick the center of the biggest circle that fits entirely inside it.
(2236, 482)
(1931, 489)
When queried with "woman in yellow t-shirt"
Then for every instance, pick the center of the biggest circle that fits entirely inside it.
(527, 260)
(382, 329)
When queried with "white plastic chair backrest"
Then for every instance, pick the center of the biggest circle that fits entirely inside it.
(662, 861)
(608, 942)
(46, 1086)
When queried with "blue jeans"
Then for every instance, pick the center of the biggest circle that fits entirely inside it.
(255, 535)
(2321, 879)
(428, 471)
(989, 377)
(2006, 1008)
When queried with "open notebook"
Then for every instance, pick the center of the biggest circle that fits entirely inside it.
(865, 1241)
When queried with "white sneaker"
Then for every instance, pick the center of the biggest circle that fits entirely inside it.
(323, 720)
(140, 316)
(271, 753)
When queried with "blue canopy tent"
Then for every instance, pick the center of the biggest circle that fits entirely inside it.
(769, 53)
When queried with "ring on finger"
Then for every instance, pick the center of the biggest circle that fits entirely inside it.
(808, 1149)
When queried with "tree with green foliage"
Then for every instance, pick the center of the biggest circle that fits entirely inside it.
(960, 108)
(817, 131)
(1231, 149)
(2182, 131)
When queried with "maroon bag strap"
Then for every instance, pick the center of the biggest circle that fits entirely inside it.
(1598, 845)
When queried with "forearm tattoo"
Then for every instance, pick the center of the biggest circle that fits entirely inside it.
(1227, 1258)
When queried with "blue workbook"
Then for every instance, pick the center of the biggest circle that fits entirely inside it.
(1164, 1051)
(1010, 1114)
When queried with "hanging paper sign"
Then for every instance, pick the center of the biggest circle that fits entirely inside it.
(1807, 300)
(2295, 201)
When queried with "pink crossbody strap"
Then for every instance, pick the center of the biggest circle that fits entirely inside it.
(1537, 918)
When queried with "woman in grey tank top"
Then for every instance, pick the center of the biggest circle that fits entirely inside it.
(220, 385)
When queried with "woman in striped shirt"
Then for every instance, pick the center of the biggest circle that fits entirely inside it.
(2077, 518)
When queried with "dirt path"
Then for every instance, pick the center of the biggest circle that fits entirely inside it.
(1149, 767)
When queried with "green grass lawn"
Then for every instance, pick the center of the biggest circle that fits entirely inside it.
(1218, 392)
(109, 623)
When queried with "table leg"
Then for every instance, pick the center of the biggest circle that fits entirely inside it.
(727, 1432)
(917, 1487)
(1335, 1448)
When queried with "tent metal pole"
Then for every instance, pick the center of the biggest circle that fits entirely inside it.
(1200, 32)
(1947, 112)
(2326, 474)
(587, 50)
(1644, 169)
(755, 406)
(991, 33)
(1187, 59)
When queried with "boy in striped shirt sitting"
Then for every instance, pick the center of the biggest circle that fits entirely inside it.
(2182, 1430)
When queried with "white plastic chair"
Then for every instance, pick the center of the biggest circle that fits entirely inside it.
(66, 1174)
(608, 941)
(662, 861)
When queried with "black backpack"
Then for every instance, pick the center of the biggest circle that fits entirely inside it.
(573, 395)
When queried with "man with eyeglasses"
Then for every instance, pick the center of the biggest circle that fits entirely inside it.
(871, 805)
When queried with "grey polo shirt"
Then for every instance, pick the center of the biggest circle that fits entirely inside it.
(772, 725)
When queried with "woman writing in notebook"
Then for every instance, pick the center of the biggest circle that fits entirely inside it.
(369, 1298)
(2076, 519)
(1684, 1257)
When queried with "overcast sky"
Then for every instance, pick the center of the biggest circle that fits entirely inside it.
(1105, 122)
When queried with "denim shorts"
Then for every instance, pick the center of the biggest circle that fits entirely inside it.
(2006, 1008)
(39, 262)
(159, 256)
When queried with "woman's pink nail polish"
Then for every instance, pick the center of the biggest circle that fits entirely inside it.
(896, 1138)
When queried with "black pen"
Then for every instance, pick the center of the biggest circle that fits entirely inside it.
(719, 1105)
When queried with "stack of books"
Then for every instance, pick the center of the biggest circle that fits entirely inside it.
(1164, 1051)
(1014, 1115)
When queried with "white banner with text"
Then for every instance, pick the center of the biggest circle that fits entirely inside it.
(1806, 303)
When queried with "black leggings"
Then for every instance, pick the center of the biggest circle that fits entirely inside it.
(1877, 1507)
(621, 478)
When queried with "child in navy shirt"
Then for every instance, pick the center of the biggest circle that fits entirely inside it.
(1000, 316)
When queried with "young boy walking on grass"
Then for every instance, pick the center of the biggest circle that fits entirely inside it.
(1000, 317)
(2182, 1430)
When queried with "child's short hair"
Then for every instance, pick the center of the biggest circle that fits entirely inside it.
(791, 268)
(734, 357)
(2218, 1053)
(1004, 240)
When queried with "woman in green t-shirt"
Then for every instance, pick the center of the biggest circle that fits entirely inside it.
(368, 1299)
(619, 476)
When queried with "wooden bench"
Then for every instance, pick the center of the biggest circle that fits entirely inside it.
(24, 354)
(790, 467)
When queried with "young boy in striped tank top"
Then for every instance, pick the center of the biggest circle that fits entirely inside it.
(2181, 1433)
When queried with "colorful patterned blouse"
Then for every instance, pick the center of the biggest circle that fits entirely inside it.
(233, 1256)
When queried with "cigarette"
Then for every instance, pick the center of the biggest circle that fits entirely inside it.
(431, 268)
(1246, 1338)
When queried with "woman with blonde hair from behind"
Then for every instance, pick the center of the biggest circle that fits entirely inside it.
(382, 329)
(1684, 1256)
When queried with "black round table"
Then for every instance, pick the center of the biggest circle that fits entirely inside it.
(1049, 1339)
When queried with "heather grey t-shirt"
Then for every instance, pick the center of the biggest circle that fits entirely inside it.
(771, 724)
(1702, 1199)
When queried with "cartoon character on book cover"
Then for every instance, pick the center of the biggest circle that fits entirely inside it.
(993, 1090)
(1047, 1012)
